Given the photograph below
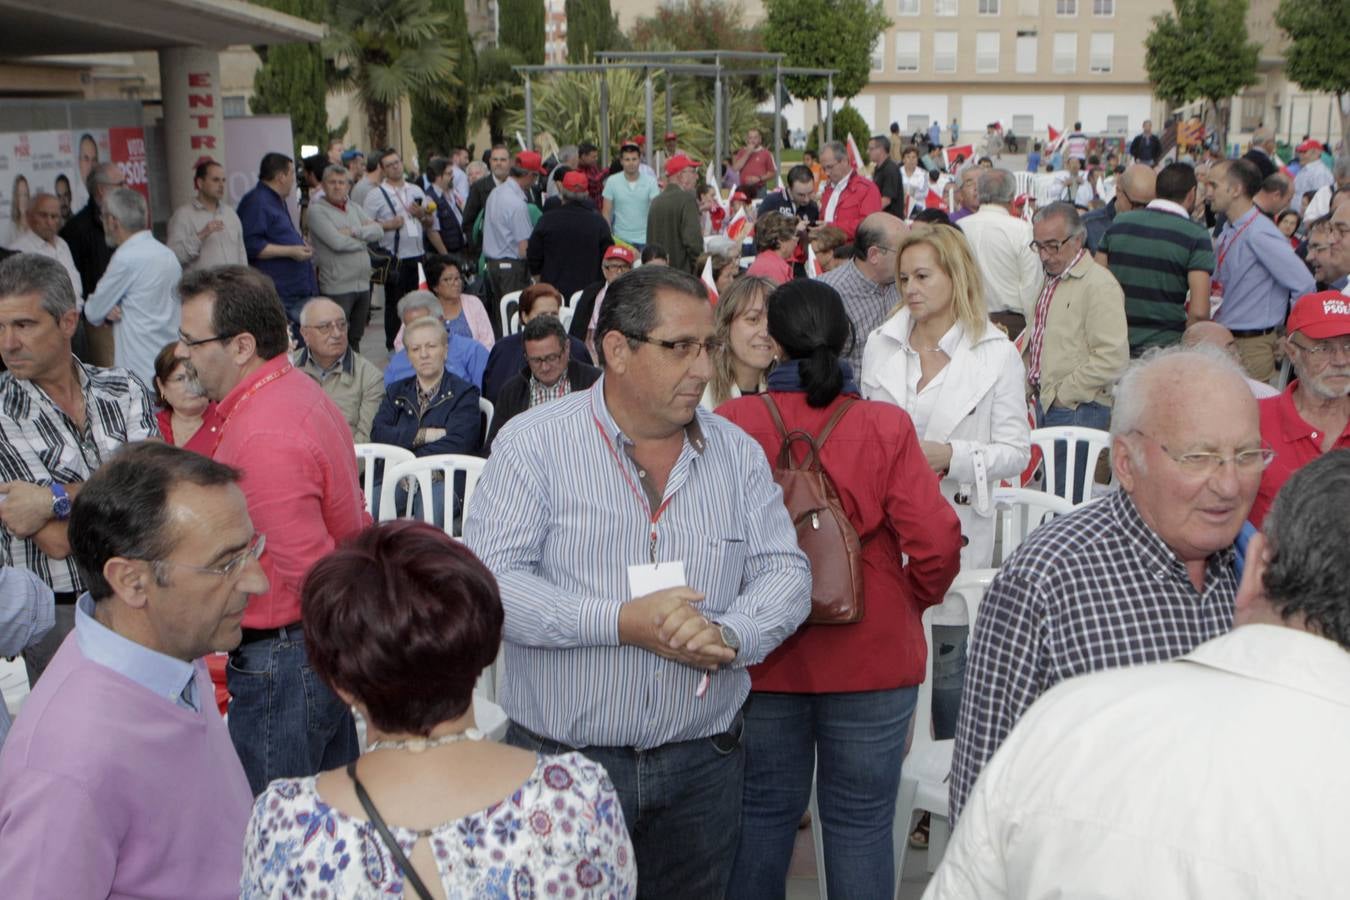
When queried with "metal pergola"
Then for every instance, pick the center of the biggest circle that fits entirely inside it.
(685, 62)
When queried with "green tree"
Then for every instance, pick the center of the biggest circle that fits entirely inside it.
(387, 50)
(1318, 56)
(1200, 51)
(847, 121)
(498, 91)
(694, 25)
(291, 80)
(440, 116)
(521, 25)
(591, 26)
(797, 28)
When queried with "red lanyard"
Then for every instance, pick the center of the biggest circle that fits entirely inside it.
(248, 395)
(1228, 244)
(641, 498)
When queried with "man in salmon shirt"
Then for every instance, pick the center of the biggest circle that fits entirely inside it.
(296, 452)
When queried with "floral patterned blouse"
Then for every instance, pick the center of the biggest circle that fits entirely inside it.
(561, 834)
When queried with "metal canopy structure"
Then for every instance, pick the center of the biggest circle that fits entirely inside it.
(686, 62)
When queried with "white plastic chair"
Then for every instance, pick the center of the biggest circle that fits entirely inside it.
(1026, 182)
(1020, 511)
(486, 411)
(367, 457)
(572, 300)
(565, 316)
(419, 472)
(509, 304)
(923, 777)
(1075, 436)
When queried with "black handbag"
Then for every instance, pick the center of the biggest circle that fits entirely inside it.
(395, 850)
(383, 264)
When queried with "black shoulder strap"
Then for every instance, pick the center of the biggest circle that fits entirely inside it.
(377, 820)
(390, 203)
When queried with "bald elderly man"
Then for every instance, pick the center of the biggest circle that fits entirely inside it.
(354, 383)
(1134, 190)
(1211, 333)
(44, 221)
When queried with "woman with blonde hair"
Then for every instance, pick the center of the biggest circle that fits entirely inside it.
(747, 353)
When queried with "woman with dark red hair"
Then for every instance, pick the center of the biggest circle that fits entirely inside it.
(400, 622)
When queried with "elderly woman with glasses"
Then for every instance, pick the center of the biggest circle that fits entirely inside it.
(464, 314)
(187, 417)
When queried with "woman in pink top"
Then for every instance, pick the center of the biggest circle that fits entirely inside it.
(464, 313)
(775, 241)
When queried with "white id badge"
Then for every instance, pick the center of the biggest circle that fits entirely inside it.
(646, 579)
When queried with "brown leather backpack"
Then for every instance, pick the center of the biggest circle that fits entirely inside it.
(824, 532)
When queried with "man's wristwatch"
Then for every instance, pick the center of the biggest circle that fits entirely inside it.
(729, 637)
(60, 502)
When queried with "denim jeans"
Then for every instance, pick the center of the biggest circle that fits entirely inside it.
(949, 674)
(1086, 415)
(682, 805)
(855, 742)
(284, 721)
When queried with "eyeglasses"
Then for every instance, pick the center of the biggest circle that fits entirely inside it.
(337, 326)
(551, 359)
(1201, 464)
(884, 249)
(189, 342)
(682, 349)
(232, 567)
(1323, 349)
(1051, 246)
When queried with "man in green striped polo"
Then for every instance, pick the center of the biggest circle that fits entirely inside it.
(1163, 261)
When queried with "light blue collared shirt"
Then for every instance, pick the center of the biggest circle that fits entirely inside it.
(161, 675)
(27, 612)
(506, 221)
(1259, 272)
(142, 279)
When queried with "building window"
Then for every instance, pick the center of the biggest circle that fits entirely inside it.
(1117, 124)
(988, 7)
(877, 49)
(986, 52)
(908, 7)
(1066, 53)
(1023, 125)
(1105, 8)
(1101, 52)
(1066, 7)
(945, 8)
(907, 51)
(944, 51)
(233, 107)
(1253, 111)
(1029, 7)
(1026, 54)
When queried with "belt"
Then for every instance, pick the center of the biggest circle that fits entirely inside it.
(291, 632)
(1254, 332)
(726, 741)
(66, 598)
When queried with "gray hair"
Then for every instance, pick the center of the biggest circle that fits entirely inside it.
(336, 170)
(1261, 136)
(30, 273)
(996, 186)
(567, 155)
(476, 170)
(420, 300)
(630, 301)
(127, 207)
(835, 147)
(1064, 211)
(1132, 395)
(572, 196)
(424, 323)
(313, 301)
(100, 175)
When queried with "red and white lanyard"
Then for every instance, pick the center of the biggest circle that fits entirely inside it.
(1042, 313)
(653, 517)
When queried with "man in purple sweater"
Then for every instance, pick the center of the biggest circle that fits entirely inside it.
(119, 779)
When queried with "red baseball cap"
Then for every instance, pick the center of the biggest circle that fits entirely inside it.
(678, 163)
(638, 139)
(672, 136)
(739, 195)
(1325, 314)
(528, 159)
(575, 181)
(618, 251)
(1310, 144)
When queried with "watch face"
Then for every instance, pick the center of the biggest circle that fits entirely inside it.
(729, 638)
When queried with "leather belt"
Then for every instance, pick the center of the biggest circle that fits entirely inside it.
(291, 632)
(1254, 332)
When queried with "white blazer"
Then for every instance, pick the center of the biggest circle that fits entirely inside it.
(981, 411)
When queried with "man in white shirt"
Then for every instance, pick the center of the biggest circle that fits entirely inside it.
(1001, 243)
(205, 231)
(1218, 774)
(1313, 174)
(44, 221)
(138, 292)
(397, 205)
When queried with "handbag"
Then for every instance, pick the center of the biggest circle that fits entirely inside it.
(384, 264)
(400, 859)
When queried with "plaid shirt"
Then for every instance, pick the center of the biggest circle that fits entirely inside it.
(541, 393)
(1093, 590)
(40, 444)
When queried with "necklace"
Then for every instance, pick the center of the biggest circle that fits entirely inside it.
(421, 745)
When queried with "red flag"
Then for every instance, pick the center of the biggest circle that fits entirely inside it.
(813, 269)
(1056, 139)
(965, 151)
(421, 279)
(738, 229)
(855, 159)
(710, 281)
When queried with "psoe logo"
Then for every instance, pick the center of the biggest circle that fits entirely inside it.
(1335, 308)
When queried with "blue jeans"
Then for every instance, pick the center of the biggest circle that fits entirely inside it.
(682, 805)
(284, 721)
(1086, 415)
(949, 674)
(856, 742)
(437, 500)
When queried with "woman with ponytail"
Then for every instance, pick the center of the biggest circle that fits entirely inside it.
(836, 699)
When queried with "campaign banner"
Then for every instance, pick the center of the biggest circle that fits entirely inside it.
(126, 148)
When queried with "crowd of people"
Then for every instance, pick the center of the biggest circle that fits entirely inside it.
(184, 530)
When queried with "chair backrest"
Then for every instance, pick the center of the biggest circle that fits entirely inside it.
(1025, 182)
(1097, 443)
(486, 411)
(509, 304)
(565, 316)
(572, 300)
(368, 459)
(420, 474)
(1020, 511)
(961, 606)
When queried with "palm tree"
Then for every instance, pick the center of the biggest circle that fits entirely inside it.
(387, 50)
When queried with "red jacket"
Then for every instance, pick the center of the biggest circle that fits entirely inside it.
(859, 200)
(890, 494)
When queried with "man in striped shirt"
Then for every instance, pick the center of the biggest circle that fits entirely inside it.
(645, 559)
(1163, 261)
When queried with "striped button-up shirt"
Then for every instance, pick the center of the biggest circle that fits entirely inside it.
(1094, 590)
(558, 520)
(40, 444)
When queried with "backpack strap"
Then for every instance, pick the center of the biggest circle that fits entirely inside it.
(777, 416)
(834, 420)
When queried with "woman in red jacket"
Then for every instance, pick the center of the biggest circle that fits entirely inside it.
(838, 698)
